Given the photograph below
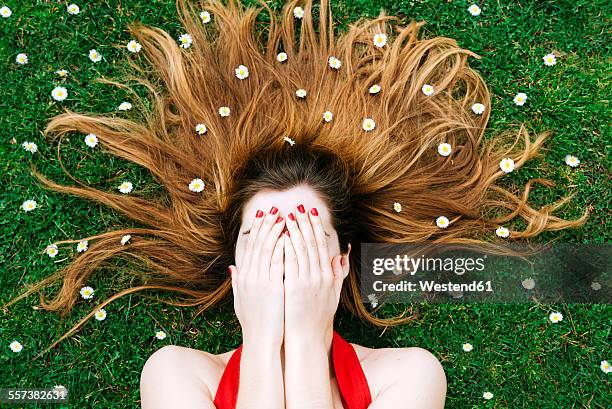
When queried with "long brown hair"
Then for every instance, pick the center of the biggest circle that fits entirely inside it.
(188, 239)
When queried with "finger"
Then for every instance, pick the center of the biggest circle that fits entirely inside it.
(277, 266)
(233, 272)
(269, 244)
(268, 221)
(291, 260)
(309, 239)
(322, 244)
(299, 245)
(252, 236)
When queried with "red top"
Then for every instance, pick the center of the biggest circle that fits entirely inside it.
(352, 383)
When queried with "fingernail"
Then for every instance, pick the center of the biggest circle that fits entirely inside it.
(342, 261)
(280, 219)
(259, 214)
(301, 209)
(314, 211)
(273, 210)
(291, 217)
(288, 234)
(229, 268)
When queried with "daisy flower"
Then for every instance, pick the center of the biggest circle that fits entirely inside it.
(51, 250)
(467, 347)
(368, 124)
(201, 129)
(528, 283)
(375, 89)
(380, 40)
(507, 165)
(289, 140)
(596, 286)
(196, 185)
(87, 293)
(124, 106)
(62, 73)
(22, 58)
(445, 149)
(605, 366)
(185, 40)
(60, 390)
(224, 111)
(328, 116)
(30, 147)
(242, 72)
(298, 12)
(101, 314)
(59, 93)
(91, 140)
(502, 231)
(373, 300)
(205, 16)
(125, 239)
(427, 89)
(572, 161)
(478, 108)
(28, 205)
(442, 222)
(134, 46)
(126, 187)
(281, 57)
(160, 335)
(82, 246)
(16, 346)
(5, 12)
(334, 62)
(474, 10)
(520, 98)
(549, 59)
(487, 395)
(555, 317)
(94, 55)
(73, 9)
(397, 207)
(300, 93)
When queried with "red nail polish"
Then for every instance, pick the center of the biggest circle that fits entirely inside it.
(259, 214)
(314, 211)
(280, 219)
(291, 217)
(301, 209)
(288, 234)
(229, 268)
(274, 210)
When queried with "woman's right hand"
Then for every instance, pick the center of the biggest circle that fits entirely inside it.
(257, 280)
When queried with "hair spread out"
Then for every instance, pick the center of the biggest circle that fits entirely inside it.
(187, 239)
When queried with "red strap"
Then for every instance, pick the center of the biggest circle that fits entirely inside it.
(227, 391)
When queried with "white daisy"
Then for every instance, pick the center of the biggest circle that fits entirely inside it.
(380, 40)
(16, 346)
(555, 317)
(205, 16)
(185, 40)
(397, 207)
(334, 62)
(134, 46)
(375, 89)
(520, 98)
(125, 187)
(442, 222)
(487, 395)
(596, 286)
(289, 140)
(298, 12)
(201, 129)
(242, 72)
(82, 246)
(572, 161)
(328, 116)
(502, 231)
(91, 140)
(373, 300)
(549, 59)
(160, 335)
(51, 250)
(125, 239)
(62, 73)
(22, 58)
(101, 314)
(507, 165)
(478, 108)
(474, 10)
(445, 149)
(87, 293)
(368, 124)
(94, 55)
(605, 366)
(73, 9)
(300, 93)
(5, 12)
(528, 283)
(59, 93)
(427, 89)
(30, 147)
(467, 347)
(28, 205)
(125, 106)
(224, 111)
(196, 185)
(60, 390)
(281, 57)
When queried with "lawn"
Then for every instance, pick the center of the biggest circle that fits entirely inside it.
(519, 355)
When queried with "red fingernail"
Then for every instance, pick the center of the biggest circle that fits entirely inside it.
(273, 210)
(301, 209)
(229, 268)
(280, 219)
(259, 213)
(291, 217)
(314, 211)
(288, 234)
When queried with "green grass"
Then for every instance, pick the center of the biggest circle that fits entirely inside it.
(518, 355)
